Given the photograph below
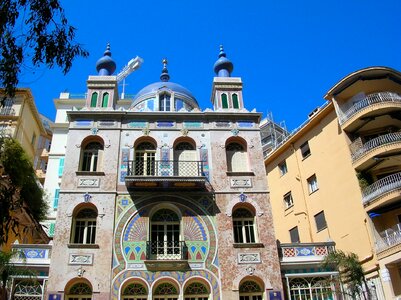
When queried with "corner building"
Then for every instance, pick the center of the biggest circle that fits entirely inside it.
(161, 200)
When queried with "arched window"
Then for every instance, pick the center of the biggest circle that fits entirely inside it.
(235, 100)
(91, 157)
(185, 163)
(196, 291)
(84, 226)
(165, 235)
(224, 101)
(28, 290)
(80, 291)
(310, 288)
(237, 158)
(164, 102)
(250, 290)
(165, 291)
(134, 291)
(94, 99)
(244, 226)
(144, 163)
(105, 100)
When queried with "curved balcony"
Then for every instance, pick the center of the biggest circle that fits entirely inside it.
(384, 144)
(385, 101)
(382, 191)
(389, 238)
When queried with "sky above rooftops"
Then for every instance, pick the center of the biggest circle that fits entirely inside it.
(288, 53)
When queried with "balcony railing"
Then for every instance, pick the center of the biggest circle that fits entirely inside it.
(298, 252)
(166, 250)
(384, 185)
(7, 111)
(166, 168)
(32, 254)
(382, 140)
(389, 237)
(369, 100)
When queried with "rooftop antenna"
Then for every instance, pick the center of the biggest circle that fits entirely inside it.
(132, 66)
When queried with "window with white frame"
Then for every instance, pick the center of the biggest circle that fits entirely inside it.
(244, 226)
(164, 102)
(250, 290)
(288, 201)
(91, 157)
(84, 226)
(283, 168)
(145, 155)
(312, 184)
(237, 158)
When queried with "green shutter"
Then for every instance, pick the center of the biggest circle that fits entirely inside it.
(224, 101)
(105, 101)
(51, 229)
(235, 101)
(56, 196)
(94, 100)
(61, 166)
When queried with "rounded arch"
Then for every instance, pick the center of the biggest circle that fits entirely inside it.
(134, 287)
(91, 139)
(193, 280)
(168, 206)
(255, 279)
(85, 283)
(166, 286)
(249, 202)
(244, 205)
(185, 139)
(145, 139)
(81, 206)
(256, 276)
(237, 140)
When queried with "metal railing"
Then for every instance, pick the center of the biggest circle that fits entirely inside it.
(371, 99)
(384, 185)
(389, 237)
(166, 250)
(384, 139)
(165, 168)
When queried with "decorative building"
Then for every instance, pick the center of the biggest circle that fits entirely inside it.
(157, 199)
(337, 179)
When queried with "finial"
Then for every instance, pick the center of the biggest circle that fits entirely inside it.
(223, 66)
(106, 65)
(164, 76)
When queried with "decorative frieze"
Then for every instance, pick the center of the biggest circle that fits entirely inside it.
(241, 183)
(80, 259)
(249, 258)
(88, 182)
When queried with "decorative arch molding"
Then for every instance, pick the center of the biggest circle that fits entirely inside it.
(237, 139)
(234, 202)
(256, 276)
(184, 139)
(133, 279)
(143, 139)
(166, 279)
(74, 281)
(196, 279)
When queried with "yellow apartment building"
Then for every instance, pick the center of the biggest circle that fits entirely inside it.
(337, 179)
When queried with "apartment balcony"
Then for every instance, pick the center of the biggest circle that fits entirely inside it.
(389, 241)
(170, 174)
(7, 111)
(365, 155)
(32, 255)
(382, 192)
(44, 154)
(304, 254)
(371, 106)
(166, 255)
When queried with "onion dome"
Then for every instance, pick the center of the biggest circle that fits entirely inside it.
(223, 66)
(175, 97)
(106, 66)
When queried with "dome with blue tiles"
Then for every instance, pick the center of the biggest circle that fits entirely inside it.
(106, 66)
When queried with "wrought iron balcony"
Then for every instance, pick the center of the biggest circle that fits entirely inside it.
(166, 255)
(385, 139)
(380, 187)
(372, 99)
(165, 174)
(389, 238)
(7, 111)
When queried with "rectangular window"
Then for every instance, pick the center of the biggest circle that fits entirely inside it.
(56, 196)
(294, 235)
(283, 168)
(33, 139)
(61, 166)
(51, 229)
(320, 220)
(312, 184)
(305, 150)
(288, 201)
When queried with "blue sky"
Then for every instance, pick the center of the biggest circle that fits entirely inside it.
(288, 52)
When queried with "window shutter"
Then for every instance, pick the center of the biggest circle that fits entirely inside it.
(61, 166)
(56, 196)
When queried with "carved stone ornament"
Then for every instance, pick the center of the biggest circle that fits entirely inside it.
(80, 259)
(250, 270)
(249, 258)
(243, 182)
(146, 131)
(184, 132)
(88, 182)
(94, 130)
(235, 131)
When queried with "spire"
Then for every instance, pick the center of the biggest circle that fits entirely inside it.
(223, 66)
(164, 76)
(106, 66)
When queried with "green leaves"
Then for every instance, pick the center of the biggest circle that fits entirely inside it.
(36, 32)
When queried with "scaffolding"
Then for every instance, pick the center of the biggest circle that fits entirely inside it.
(273, 134)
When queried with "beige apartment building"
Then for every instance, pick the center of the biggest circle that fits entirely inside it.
(337, 179)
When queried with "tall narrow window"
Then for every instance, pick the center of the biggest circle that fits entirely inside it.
(305, 150)
(90, 157)
(237, 158)
(56, 196)
(288, 201)
(283, 168)
(312, 184)
(164, 102)
(61, 166)
(94, 99)
(105, 100)
(250, 290)
(224, 101)
(235, 101)
(185, 163)
(294, 235)
(33, 140)
(244, 227)
(144, 163)
(320, 220)
(84, 226)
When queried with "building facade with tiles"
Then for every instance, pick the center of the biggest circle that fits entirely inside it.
(159, 199)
